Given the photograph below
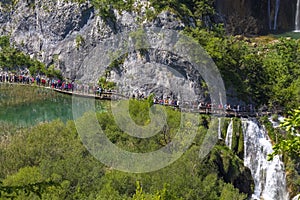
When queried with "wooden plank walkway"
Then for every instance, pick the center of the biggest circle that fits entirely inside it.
(102, 96)
(109, 96)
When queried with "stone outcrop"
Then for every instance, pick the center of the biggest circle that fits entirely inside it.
(65, 33)
(47, 30)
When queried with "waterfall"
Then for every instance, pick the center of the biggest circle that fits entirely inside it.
(269, 14)
(296, 197)
(269, 176)
(297, 18)
(276, 123)
(228, 139)
(276, 14)
(276, 11)
(219, 129)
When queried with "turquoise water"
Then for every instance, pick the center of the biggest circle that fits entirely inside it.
(25, 106)
(294, 35)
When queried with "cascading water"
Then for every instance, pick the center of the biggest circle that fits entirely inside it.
(269, 14)
(296, 197)
(276, 14)
(276, 11)
(297, 18)
(276, 123)
(228, 139)
(269, 176)
(219, 129)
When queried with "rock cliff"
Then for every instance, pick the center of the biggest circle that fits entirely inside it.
(64, 33)
(55, 32)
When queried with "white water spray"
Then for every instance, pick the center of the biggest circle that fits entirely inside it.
(269, 176)
(228, 139)
(276, 14)
(269, 14)
(297, 18)
(275, 18)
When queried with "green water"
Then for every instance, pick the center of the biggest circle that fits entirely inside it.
(25, 106)
(294, 35)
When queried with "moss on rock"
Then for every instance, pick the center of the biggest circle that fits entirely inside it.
(231, 168)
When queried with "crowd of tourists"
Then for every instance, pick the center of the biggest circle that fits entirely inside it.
(227, 107)
(41, 80)
(203, 106)
(72, 86)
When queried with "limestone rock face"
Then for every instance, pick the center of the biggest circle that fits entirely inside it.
(65, 33)
(160, 73)
(50, 31)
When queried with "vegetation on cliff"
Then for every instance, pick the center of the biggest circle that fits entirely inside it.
(286, 143)
(13, 59)
(259, 72)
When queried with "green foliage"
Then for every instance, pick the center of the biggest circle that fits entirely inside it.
(288, 145)
(229, 192)
(53, 153)
(79, 41)
(116, 61)
(200, 9)
(8, 5)
(4, 42)
(51, 72)
(12, 58)
(150, 14)
(282, 70)
(24, 176)
(292, 124)
(104, 84)
(28, 191)
(105, 7)
(231, 167)
(257, 72)
(183, 8)
(150, 99)
(51, 149)
(139, 113)
(37, 67)
(140, 41)
(291, 145)
(237, 138)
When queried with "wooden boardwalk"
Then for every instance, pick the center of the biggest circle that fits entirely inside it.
(102, 96)
(203, 110)
(207, 111)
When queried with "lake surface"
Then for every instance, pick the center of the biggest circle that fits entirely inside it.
(291, 34)
(25, 106)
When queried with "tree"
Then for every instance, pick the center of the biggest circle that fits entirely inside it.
(290, 145)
